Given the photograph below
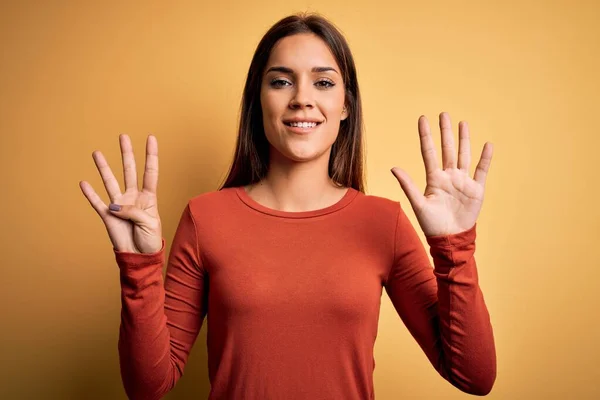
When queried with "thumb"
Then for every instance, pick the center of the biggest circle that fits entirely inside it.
(410, 189)
(129, 212)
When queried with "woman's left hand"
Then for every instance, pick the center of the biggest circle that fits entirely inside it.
(452, 200)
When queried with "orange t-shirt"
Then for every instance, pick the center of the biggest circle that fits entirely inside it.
(292, 300)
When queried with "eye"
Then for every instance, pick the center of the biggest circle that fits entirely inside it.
(278, 83)
(325, 83)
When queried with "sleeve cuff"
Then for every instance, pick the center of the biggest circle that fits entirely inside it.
(449, 251)
(139, 259)
(455, 240)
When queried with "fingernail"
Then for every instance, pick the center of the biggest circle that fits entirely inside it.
(114, 207)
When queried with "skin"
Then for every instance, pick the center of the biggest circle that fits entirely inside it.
(452, 200)
(298, 178)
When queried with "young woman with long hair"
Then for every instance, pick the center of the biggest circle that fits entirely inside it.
(288, 259)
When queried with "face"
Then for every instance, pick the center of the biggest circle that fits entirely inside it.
(302, 84)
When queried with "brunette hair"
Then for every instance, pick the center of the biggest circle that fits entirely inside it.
(251, 159)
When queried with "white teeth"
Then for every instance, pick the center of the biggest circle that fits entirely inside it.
(303, 124)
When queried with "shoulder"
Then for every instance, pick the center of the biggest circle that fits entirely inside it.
(377, 213)
(212, 208)
(212, 201)
(378, 205)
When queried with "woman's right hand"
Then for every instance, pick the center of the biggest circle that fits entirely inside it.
(136, 228)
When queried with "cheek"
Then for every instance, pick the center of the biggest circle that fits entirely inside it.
(333, 106)
(272, 104)
(270, 112)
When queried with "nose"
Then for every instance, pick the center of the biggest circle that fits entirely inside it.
(302, 96)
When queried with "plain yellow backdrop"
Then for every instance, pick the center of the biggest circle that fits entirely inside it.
(523, 74)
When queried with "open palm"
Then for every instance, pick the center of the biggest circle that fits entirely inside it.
(452, 200)
(136, 227)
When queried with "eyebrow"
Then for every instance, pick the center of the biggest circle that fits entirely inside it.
(291, 71)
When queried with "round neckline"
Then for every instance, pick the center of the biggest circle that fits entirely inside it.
(350, 194)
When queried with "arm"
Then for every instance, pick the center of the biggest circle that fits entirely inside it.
(443, 307)
(159, 324)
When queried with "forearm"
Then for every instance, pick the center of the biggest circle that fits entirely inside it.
(147, 369)
(469, 355)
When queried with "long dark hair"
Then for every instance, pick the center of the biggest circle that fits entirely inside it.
(251, 159)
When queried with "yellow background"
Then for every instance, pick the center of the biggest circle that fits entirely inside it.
(524, 74)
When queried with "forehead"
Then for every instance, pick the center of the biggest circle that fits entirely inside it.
(302, 51)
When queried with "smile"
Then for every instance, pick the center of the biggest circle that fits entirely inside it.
(303, 124)
(302, 127)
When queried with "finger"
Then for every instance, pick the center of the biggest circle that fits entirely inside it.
(94, 199)
(129, 171)
(427, 146)
(110, 182)
(448, 156)
(408, 186)
(151, 169)
(484, 164)
(464, 146)
(134, 214)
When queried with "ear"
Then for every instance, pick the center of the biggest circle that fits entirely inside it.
(344, 113)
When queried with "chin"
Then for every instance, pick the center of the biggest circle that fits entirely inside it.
(304, 154)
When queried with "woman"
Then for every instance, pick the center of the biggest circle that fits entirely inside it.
(289, 258)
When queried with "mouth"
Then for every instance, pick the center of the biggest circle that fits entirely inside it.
(302, 127)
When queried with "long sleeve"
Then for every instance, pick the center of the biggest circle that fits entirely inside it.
(443, 307)
(160, 323)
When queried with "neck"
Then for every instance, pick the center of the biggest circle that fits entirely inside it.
(297, 186)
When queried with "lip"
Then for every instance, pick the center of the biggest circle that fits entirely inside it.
(300, 119)
(297, 129)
